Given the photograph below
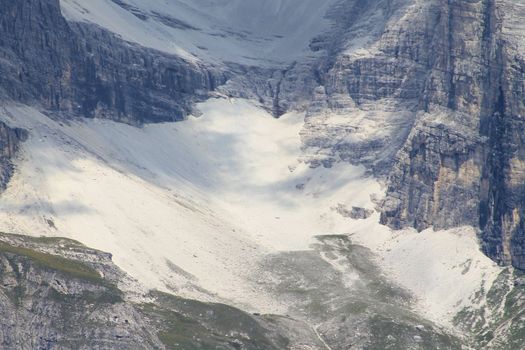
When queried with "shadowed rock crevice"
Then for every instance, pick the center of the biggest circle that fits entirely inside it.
(10, 139)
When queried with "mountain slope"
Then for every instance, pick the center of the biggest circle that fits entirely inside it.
(303, 126)
(69, 296)
(258, 33)
(206, 210)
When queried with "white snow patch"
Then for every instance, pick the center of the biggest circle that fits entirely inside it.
(444, 269)
(192, 207)
(211, 195)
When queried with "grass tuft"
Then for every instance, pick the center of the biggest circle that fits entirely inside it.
(72, 268)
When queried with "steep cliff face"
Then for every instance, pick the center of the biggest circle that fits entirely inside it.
(453, 178)
(85, 70)
(502, 199)
(439, 86)
(440, 164)
(10, 139)
(437, 168)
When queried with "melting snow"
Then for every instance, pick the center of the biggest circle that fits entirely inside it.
(192, 207)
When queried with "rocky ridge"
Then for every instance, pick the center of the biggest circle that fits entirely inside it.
(58, 294)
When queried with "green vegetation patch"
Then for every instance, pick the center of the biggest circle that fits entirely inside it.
(72, 268)
(184, 324)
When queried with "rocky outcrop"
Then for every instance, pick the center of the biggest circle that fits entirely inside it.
(81, 69)
(58, 294)
(50, 301)
(438, 168)
(10, 140)
(369, 82)
(473, 176)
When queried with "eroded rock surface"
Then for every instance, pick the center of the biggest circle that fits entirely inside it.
(84, 70)
(429, 94)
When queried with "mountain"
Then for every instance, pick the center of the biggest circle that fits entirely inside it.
(277, 174)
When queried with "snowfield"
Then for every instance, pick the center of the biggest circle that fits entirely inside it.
(193, 207)
(270, 32)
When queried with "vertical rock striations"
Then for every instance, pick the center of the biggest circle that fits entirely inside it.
(84, 70)
(10, 140)
(432, 95)
(464, 161)
(440, 165)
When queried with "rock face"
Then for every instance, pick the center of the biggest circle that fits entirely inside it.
(436, 180)
(436, 177)
(434, 100)
(84, 70)
(463, 162)
(48, 301)
(10, 140)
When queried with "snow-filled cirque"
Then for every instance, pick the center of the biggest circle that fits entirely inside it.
(195, 207)
(262, 174)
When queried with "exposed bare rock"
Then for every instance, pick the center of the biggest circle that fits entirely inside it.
(10, 140)
(438, 168)
(356, 213)
(87, 71)
(471, 171)
(48, 301)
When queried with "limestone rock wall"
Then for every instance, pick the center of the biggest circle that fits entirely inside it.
(472, 171)
(84, 70)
